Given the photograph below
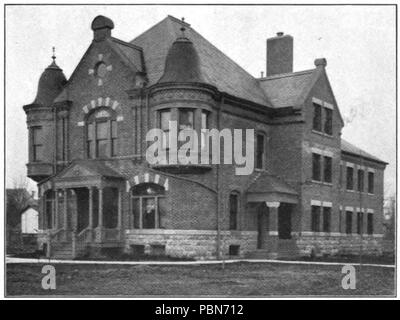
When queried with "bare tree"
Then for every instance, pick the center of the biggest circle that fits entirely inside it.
(17, 199)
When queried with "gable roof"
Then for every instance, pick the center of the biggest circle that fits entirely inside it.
(90, 167)
(287, 90)
(267, 183)
(217, 69)
(347, 147)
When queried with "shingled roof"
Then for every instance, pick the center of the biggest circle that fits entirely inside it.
(347, 147)
(217, 69)
(287, 90)
(267, 183)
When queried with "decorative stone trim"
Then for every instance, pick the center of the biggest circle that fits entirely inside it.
(349, 209)
(322, 152)
(370, 210)
(169, 95)
(327, 204)
(322, 103)
(101, 102)
(316, 203)
(147, 178)
(272, 204)
(188, 231)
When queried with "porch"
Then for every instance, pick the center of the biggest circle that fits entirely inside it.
(274, 203)
(82, 210)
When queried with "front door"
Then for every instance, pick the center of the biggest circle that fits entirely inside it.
(285, 221)
(262, 225)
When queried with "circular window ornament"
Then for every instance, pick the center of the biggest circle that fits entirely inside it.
(101, 70)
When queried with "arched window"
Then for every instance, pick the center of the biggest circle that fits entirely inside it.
(147, 206)
(101, 134)
(233, 210)
(49, 209)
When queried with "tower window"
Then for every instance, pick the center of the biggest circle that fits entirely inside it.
(37, 143)
(260, 151)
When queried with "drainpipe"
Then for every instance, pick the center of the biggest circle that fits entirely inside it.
(218, 188)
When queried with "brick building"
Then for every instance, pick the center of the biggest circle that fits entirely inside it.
(310, 192)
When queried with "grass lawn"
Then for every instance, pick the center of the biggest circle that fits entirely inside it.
(237, 279)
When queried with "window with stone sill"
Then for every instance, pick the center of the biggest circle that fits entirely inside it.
(101, 135)
(260, 151)
(349, 178)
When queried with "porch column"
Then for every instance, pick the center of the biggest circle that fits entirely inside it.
(65, 209)
(273, 225)
(100, 219)
(56, 211)
(119, 208)
(90, 207)
(100, 208)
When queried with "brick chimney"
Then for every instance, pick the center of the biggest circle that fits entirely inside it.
(102, 27)
(279, 54)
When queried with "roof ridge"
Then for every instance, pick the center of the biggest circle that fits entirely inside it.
(286, 75)
(131, 45)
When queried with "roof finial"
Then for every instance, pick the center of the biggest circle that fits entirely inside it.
(54, 55)
(183, 28)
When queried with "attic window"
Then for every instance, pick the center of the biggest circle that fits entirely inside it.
(101, 70)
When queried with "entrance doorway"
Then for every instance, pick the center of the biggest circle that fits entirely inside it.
(262, 225)
(82, 208)
(285, 221)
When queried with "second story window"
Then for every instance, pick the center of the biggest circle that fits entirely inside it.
(101, 135)
(37, 143)
(328, 121)
(317, 117)
(204, 125)
(370, 182)
(349, 222)
(186, 119)
(233, 210)
(328, 169)
(360, 180)
(260, 151)
(316, 167)
(349, 178)
(165, 118)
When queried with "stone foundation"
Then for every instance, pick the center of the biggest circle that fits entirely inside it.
(195, 244)
(338, 244)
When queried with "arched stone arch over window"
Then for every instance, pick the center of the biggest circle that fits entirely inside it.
(101, 102)
(148, 177)
(148, 206)
(101, 134)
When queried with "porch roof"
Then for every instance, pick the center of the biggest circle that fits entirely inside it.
(87, 168)
(267, 187)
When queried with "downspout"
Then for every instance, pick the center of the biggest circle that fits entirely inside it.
(218, 212)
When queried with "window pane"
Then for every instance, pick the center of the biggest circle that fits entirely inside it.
(185, 119)
(328, 169)
(165, 117)
(102, 130)
(327, 219)
(317, 117)
(90, 131)
(316, 167)
(102, 148)
(114, 129)
(349, 222)
(37, 135)
(360, 180)
(370, 223)
(315, 212)
(328, 121)
(136, 213)
(233, 209)
(260, 151)
(149, 213)
(359, 222)
(90, 149)
(204, 120)
(349, 178)
(370, 182)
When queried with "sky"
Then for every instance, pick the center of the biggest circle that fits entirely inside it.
(357, 41)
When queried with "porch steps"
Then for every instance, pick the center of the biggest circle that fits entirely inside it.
(63, 251)
(287, 248)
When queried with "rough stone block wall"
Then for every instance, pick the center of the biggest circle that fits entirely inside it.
(339, 245)
(196, 244)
